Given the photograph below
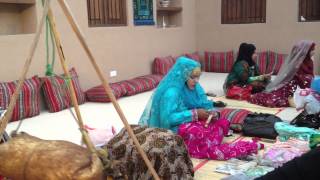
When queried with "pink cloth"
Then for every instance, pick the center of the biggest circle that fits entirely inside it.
(282, 152)
(100, 136)
(205, 142)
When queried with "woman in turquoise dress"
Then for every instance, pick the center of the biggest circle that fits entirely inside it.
(246, 72)
(180, 104)
(174, 103)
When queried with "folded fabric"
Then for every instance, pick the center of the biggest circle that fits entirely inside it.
(282, 152)
(243, 170)
(235, 166)
(258, 171)
(285, 131)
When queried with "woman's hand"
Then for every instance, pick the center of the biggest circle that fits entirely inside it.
(267, 77)
(202, 114)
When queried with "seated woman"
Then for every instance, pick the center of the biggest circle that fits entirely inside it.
(180, 104)
(246, 72)
(297, 70)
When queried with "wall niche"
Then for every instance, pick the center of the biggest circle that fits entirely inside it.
(17, 17)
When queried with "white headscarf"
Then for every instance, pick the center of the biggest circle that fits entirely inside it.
(291, 65)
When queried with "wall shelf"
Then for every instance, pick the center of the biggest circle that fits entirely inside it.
(169, 9)
(170, 16)
(18, 1)
(17, 17)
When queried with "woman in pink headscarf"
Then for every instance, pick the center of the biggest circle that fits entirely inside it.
(297, 70)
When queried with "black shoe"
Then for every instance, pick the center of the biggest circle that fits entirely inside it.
(219, 104)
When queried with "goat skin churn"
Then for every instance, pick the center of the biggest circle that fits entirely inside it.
(25, 157)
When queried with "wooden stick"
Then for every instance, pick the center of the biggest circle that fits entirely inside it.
(7, 116)
(76, 29)
(65, 68)
(208, 120)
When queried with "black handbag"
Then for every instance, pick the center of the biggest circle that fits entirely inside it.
(260, 125)
(307, 120)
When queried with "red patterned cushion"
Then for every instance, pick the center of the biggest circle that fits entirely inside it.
(154, 78)
(138, 85)
(56, 93)
(275, 61)
(162, 65)
(195, 56)
(28, 102)
(218, 61)
(235, 116)
(261, 61)
(98, 94)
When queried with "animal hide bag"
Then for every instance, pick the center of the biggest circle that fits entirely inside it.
(25, 157)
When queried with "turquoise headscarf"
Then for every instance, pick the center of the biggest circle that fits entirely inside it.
(173, 87)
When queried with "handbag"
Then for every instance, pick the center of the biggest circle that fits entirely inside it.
(260, 125)
(239, 93)
(307, 120)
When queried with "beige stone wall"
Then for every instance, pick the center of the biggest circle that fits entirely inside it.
(279, 33)
(130, 50)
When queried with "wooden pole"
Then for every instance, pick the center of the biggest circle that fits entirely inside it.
(76, 29)
(65, 68)
(7, 116)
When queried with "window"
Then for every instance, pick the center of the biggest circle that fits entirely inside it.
(243, 11)
(309, 10)
(107, 12)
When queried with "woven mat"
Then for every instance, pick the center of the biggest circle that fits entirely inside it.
(248, 106)
(204, 169)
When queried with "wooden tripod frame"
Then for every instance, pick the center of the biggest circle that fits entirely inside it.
(66, 10)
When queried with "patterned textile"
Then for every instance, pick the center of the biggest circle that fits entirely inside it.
(138, 85)
(279, 97)
(205, 142)
(261, 61)
(296, 71)
(143, 12)
(218, 61)
(162, 65)
(28, 102)
(287, 131)
(154, 78)
(165, 150)
(194, 56)
(298, 62)
(235, 116)
(56, 92)
(98, 94)
(275, 61)
(282, 152)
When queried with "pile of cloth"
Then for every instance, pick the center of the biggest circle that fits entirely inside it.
(291, 142)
